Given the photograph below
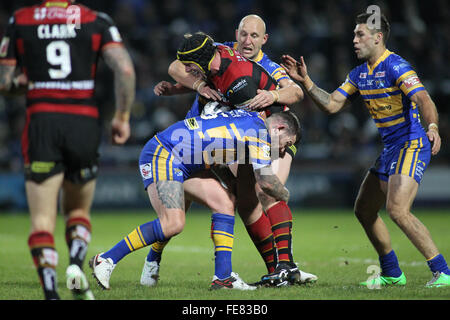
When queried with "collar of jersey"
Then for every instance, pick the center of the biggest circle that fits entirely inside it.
(383, 57)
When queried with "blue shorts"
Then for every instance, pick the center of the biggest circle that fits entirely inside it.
(157, 164)
(410, 158)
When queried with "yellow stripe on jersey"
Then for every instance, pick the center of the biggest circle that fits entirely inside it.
(385, 107)
(378, 91)
(258, 153)
(390, 123)
(417, 156)
(348, 87)
(154, 160)
(404, 76)
(383, 57)
(219, 132)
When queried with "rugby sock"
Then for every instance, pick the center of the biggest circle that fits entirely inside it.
(78, 236)
(142, 236)
(155, 253)
(389, 265)
(45, 258)
(222, 234)
(260, 232)
(280, 217)
(438, 263)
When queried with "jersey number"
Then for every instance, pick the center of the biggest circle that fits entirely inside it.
(58, 54)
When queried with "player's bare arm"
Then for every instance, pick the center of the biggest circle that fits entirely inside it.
(430, 116)
(6, 77)
(289, 93)
(118, 59)
(297, 70)
(271, 185)
(192, 81)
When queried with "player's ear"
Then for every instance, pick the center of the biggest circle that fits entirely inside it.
(237, 34)
(265, 38)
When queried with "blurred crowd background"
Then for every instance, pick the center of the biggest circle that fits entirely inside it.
(321, 31)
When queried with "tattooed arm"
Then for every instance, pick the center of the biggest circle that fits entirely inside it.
(329, 103)
(118, 59)
(270, 184)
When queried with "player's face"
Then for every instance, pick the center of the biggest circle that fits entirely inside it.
(250, 38)
(195, 70)
(283, 138)
(364, 42)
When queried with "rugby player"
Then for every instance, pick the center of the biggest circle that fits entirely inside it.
(189, 146)
(395, 97)
(56, 45)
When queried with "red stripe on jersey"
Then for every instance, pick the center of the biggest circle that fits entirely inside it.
(60, 94)
(20, 46)
(93, 70)
(81, 110)
(41, 14)
(96, 40)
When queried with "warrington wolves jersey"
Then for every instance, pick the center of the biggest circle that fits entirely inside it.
(57, 46)
(386, 89)
(273, 68)
(198, 143)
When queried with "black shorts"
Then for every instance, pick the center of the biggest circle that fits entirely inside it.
(56, 142)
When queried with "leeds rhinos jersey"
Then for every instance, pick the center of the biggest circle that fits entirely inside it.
(273, 68)
(386, 89)
(57, 46)
(197, 143)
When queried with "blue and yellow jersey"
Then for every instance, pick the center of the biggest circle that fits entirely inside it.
(386, 89)
(197, 143)
(273, 68)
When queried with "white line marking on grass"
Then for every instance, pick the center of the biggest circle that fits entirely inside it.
(344, 261)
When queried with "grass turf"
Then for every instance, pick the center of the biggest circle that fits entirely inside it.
(330, 244)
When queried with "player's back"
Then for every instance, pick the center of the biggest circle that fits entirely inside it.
(57, 45)
(199, 142)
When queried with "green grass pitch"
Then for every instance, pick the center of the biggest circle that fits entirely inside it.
(330, 244)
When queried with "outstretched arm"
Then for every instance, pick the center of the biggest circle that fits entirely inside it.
(118, 59)
(329, 103)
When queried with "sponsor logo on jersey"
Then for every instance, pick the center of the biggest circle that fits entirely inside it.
(411, 81)
(363, 75)
(380, 74)
(191, 123)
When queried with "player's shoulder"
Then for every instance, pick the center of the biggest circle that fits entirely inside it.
(397, 64)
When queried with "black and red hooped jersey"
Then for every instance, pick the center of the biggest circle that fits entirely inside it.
(57, 45)
(239, 79)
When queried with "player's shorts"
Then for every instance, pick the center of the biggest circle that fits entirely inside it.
(157, 164)
(55, 142)
(410, 158)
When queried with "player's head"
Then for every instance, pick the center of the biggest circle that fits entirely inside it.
(196, 52)
(371, 32)
(284, 126)
(251, 36)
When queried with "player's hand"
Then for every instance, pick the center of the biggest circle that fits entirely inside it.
(209, 93)
(120, 130)
(262, 99)
(297, 70)
(435, 139)
(163, 88)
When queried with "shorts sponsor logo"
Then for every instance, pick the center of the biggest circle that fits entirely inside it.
(42, 167)
(146, 170)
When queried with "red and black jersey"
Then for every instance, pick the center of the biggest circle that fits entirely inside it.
(57, 46)
(239, 79)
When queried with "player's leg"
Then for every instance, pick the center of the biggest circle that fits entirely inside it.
(42, 203)
(204, 189)
(371, 198)
(76, 201)
(402, 191)
(167, 199)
